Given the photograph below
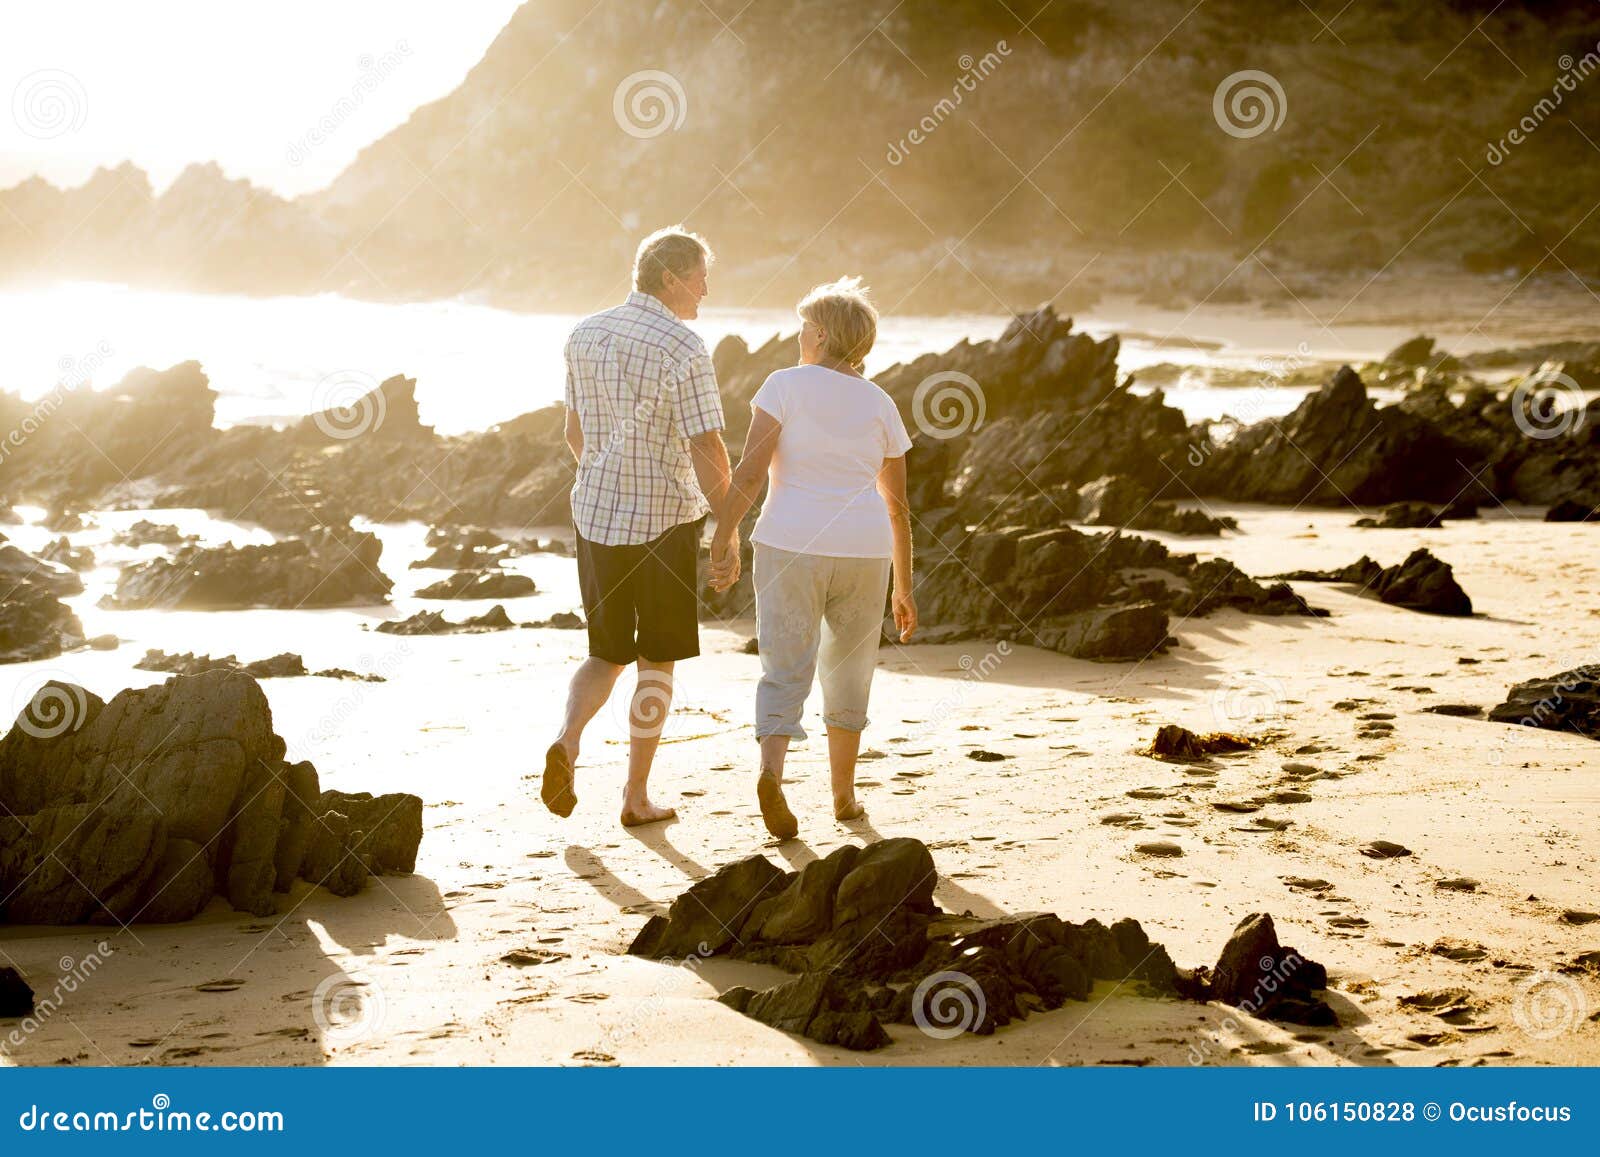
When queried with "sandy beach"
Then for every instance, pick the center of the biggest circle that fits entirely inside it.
(416, 971)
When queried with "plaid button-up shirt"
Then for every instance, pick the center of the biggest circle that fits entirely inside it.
(642, 385)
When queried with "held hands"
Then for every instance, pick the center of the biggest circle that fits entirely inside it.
(905, 614)
(725, 557)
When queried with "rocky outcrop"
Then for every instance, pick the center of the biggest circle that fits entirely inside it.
(145, 533)
(434, 623)
(1421, 583)
(1258, 975)
(325, 568)
(868, 947)
(491, 584)
(63, 553)
(16, 998)
(35, 624)
(286, 665)
(1569, 701)
(1405, 516)
(1339, 448)
(1104, 596)
(145, 807)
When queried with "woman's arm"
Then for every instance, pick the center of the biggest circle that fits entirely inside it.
(749, 477)
(892, 485)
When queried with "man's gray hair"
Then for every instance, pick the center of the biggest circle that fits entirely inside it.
(672, 250)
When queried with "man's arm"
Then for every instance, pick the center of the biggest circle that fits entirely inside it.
(575, 435)
(710, 457)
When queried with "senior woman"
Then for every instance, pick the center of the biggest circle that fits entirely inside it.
(834, 527)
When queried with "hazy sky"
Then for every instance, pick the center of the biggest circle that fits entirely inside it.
(252, 86)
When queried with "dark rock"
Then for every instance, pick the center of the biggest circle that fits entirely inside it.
(480, 585)
(1569, 701)
(1174, 742)
(1263, 978)
(1571, 510)
(35, 624)
(1384, 850)
(1464, 710)
(144, 533)
(1405, 516)
(887, 954)
(16, 998)
(434, 623)
(63, 553)
(19, 567)
(1421, 583)
(803, 911)
(1338, 448)
(279, 666)
(144, 807)
(328, 567)
(708, 917)
(890, 874)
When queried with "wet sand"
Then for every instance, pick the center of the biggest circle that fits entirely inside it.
(411, 972)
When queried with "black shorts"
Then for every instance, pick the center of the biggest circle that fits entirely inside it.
(642, 600)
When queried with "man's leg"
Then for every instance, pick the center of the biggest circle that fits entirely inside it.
(647, 716)
(591, 687)
(604, 578)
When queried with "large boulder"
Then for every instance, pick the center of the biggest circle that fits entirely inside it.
(144, 807)
(1420, 583)
(1339, 448)
(1569, 701)
(330, 566)
(35, 624)
(867, 944)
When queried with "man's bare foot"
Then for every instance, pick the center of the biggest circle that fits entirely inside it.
(637, 815)
(775, 811)
(557, 790)
(847, 811)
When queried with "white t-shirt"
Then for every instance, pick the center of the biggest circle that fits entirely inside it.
(823, 495)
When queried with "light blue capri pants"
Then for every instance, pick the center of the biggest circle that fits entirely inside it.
(811, 610)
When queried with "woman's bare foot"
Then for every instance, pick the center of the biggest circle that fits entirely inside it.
(557, 790)
(848, 810)
(638, 814)
(775, 811)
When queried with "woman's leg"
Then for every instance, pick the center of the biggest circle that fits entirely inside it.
(790, 592)
(853, 626)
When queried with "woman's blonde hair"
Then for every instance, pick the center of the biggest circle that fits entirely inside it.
(846, 316)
